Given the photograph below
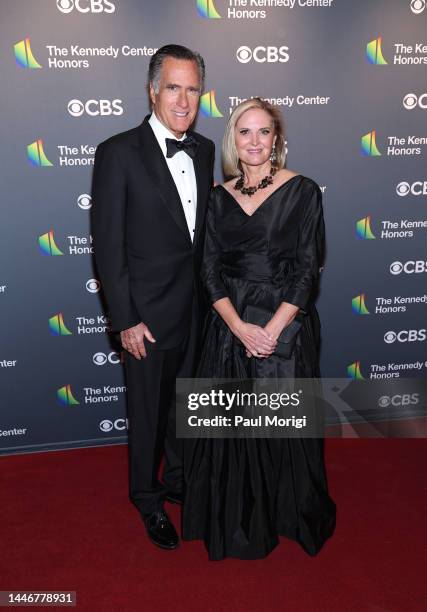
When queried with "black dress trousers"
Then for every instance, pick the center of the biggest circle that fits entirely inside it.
(151, 416)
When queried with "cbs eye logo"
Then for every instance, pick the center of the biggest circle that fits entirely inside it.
(418, 188)
(417, 6)
(411, 101)
(95, 108)
(403, 189)
(262, 54)
(409, 267)
(101, 359)
(85, 6)
(93, 285)
(84, 201)
(396, 267)
(390, 337)
(405, 399)
(405, 335)
(106, 425)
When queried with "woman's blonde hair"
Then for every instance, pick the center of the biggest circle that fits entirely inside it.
(230, 159)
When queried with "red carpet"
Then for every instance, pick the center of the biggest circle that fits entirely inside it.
(67, 524)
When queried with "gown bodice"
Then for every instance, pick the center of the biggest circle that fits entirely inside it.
(279, 247)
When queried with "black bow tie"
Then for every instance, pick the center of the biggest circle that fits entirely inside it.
(189, 145)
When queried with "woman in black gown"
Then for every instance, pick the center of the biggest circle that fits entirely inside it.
(264, 245)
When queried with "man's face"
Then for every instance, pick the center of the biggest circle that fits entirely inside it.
(177, 100)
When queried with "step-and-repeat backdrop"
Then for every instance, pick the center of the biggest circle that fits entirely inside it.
(350, 79)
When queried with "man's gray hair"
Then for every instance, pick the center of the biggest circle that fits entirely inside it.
(178, 52)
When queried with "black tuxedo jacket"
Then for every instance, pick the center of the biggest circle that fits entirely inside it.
(147, 264)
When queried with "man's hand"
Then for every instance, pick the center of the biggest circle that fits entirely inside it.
(133, 340)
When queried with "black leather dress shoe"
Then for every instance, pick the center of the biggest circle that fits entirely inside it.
(160, 530)
(174, 498)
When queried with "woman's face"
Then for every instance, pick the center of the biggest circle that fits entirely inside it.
(254, 137)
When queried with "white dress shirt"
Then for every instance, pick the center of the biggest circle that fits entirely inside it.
(182, 170)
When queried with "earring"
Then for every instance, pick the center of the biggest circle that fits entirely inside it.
(273, 155)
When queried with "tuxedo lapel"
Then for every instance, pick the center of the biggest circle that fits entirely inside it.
(158, 170)
(201, 170)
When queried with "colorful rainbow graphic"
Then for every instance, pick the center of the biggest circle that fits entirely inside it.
(358, 305)
(48, 245)
(65, 396)
(208, 105)
(36, 154)
(57, 326)
(24, 56)
(363, 229)
(353, 371)
(374, 52)
(206, 9)
(369, 145)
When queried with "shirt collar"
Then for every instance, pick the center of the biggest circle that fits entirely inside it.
(161, 132)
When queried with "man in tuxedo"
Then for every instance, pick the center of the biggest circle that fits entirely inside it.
(150, 192)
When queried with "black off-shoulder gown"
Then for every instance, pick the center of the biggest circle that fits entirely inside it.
(242, 494)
